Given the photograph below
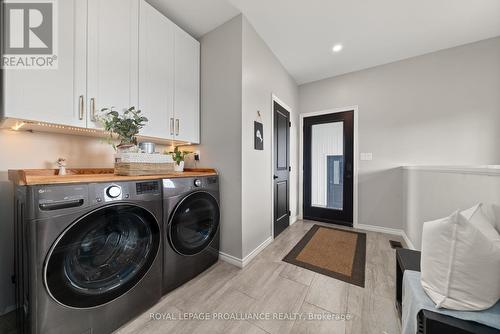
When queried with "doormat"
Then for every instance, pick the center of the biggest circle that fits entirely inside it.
(337, 253)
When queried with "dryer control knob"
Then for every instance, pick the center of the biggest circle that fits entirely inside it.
(113, 191)
(197, 183)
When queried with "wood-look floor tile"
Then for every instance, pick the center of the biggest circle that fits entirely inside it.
(297, 274)
(328, 293)
(152, 325)
(257, 279)
(270, 285)
(231, 301)
(371, 313)
(243, 327)
(317, 325)
(284, 297)
(284, 243)
(380, 278)
(203, 290)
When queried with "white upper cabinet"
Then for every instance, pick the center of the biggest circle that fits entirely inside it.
(113, 64)
(54, 95)
(113, 53)
(187, 87)
(156, 72)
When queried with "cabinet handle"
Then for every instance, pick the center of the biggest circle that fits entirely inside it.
(172, 126)
(92, 109)
(80, 107)
(177, 126)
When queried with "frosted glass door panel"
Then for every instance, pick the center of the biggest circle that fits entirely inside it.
(327, 165)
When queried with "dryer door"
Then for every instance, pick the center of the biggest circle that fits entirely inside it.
(102, 256)
(194, 223)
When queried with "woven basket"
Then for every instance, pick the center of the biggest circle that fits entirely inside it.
(143, 158)
(138, 168)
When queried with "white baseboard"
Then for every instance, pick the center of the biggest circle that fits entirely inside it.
(256, 251)
(235, 261)
(293, 220)
(387, 230)
(380, 229)
(240, 263)
(408, 241)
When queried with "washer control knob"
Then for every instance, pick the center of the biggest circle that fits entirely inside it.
(197, 183)
(113, 191)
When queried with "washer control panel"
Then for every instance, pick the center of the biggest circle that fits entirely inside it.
(197, 183)
(123, 191)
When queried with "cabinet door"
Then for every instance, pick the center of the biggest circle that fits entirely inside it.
(54, 95)
(156, 72)
(187, 87)
(113, 66)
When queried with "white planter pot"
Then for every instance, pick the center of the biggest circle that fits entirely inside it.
(180, 167)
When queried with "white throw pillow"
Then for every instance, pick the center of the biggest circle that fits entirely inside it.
(482, 217)
(460, 261)
(495, 209)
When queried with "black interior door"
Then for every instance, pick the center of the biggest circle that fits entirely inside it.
(281, 169)
(328, 167)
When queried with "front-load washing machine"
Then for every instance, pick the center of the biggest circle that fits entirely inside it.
(191, 228)
(87, 256)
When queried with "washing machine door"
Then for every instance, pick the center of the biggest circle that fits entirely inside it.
(102, 256)
(194, 223)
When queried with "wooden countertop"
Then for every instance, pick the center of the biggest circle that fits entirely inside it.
(30, 177)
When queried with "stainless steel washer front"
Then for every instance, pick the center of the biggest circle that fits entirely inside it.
(85, 264)
(191, 228)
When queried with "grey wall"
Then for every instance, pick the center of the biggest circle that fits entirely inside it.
(433, 193)
(221, 70)
(263, 75)
(437, 109)
(239, 74)
(22, 150)
(221, 64)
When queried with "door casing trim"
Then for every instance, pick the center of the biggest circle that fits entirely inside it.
(356, 158)
(274, 98)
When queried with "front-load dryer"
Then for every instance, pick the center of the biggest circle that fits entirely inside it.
(191, 228)
(88, 256)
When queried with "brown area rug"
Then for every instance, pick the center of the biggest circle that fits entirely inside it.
(333, 252)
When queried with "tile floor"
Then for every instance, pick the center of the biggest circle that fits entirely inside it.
(269, 285)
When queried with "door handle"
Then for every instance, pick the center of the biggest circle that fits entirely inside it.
(177, 126)
(172, 126)
(61, 205)
(80, 107)
(92, 109)
(275, 177)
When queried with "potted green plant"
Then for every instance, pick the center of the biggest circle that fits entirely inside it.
(178, 157)
(124, 127)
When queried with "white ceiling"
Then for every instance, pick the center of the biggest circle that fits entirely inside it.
(302, 32)
(197, 17)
